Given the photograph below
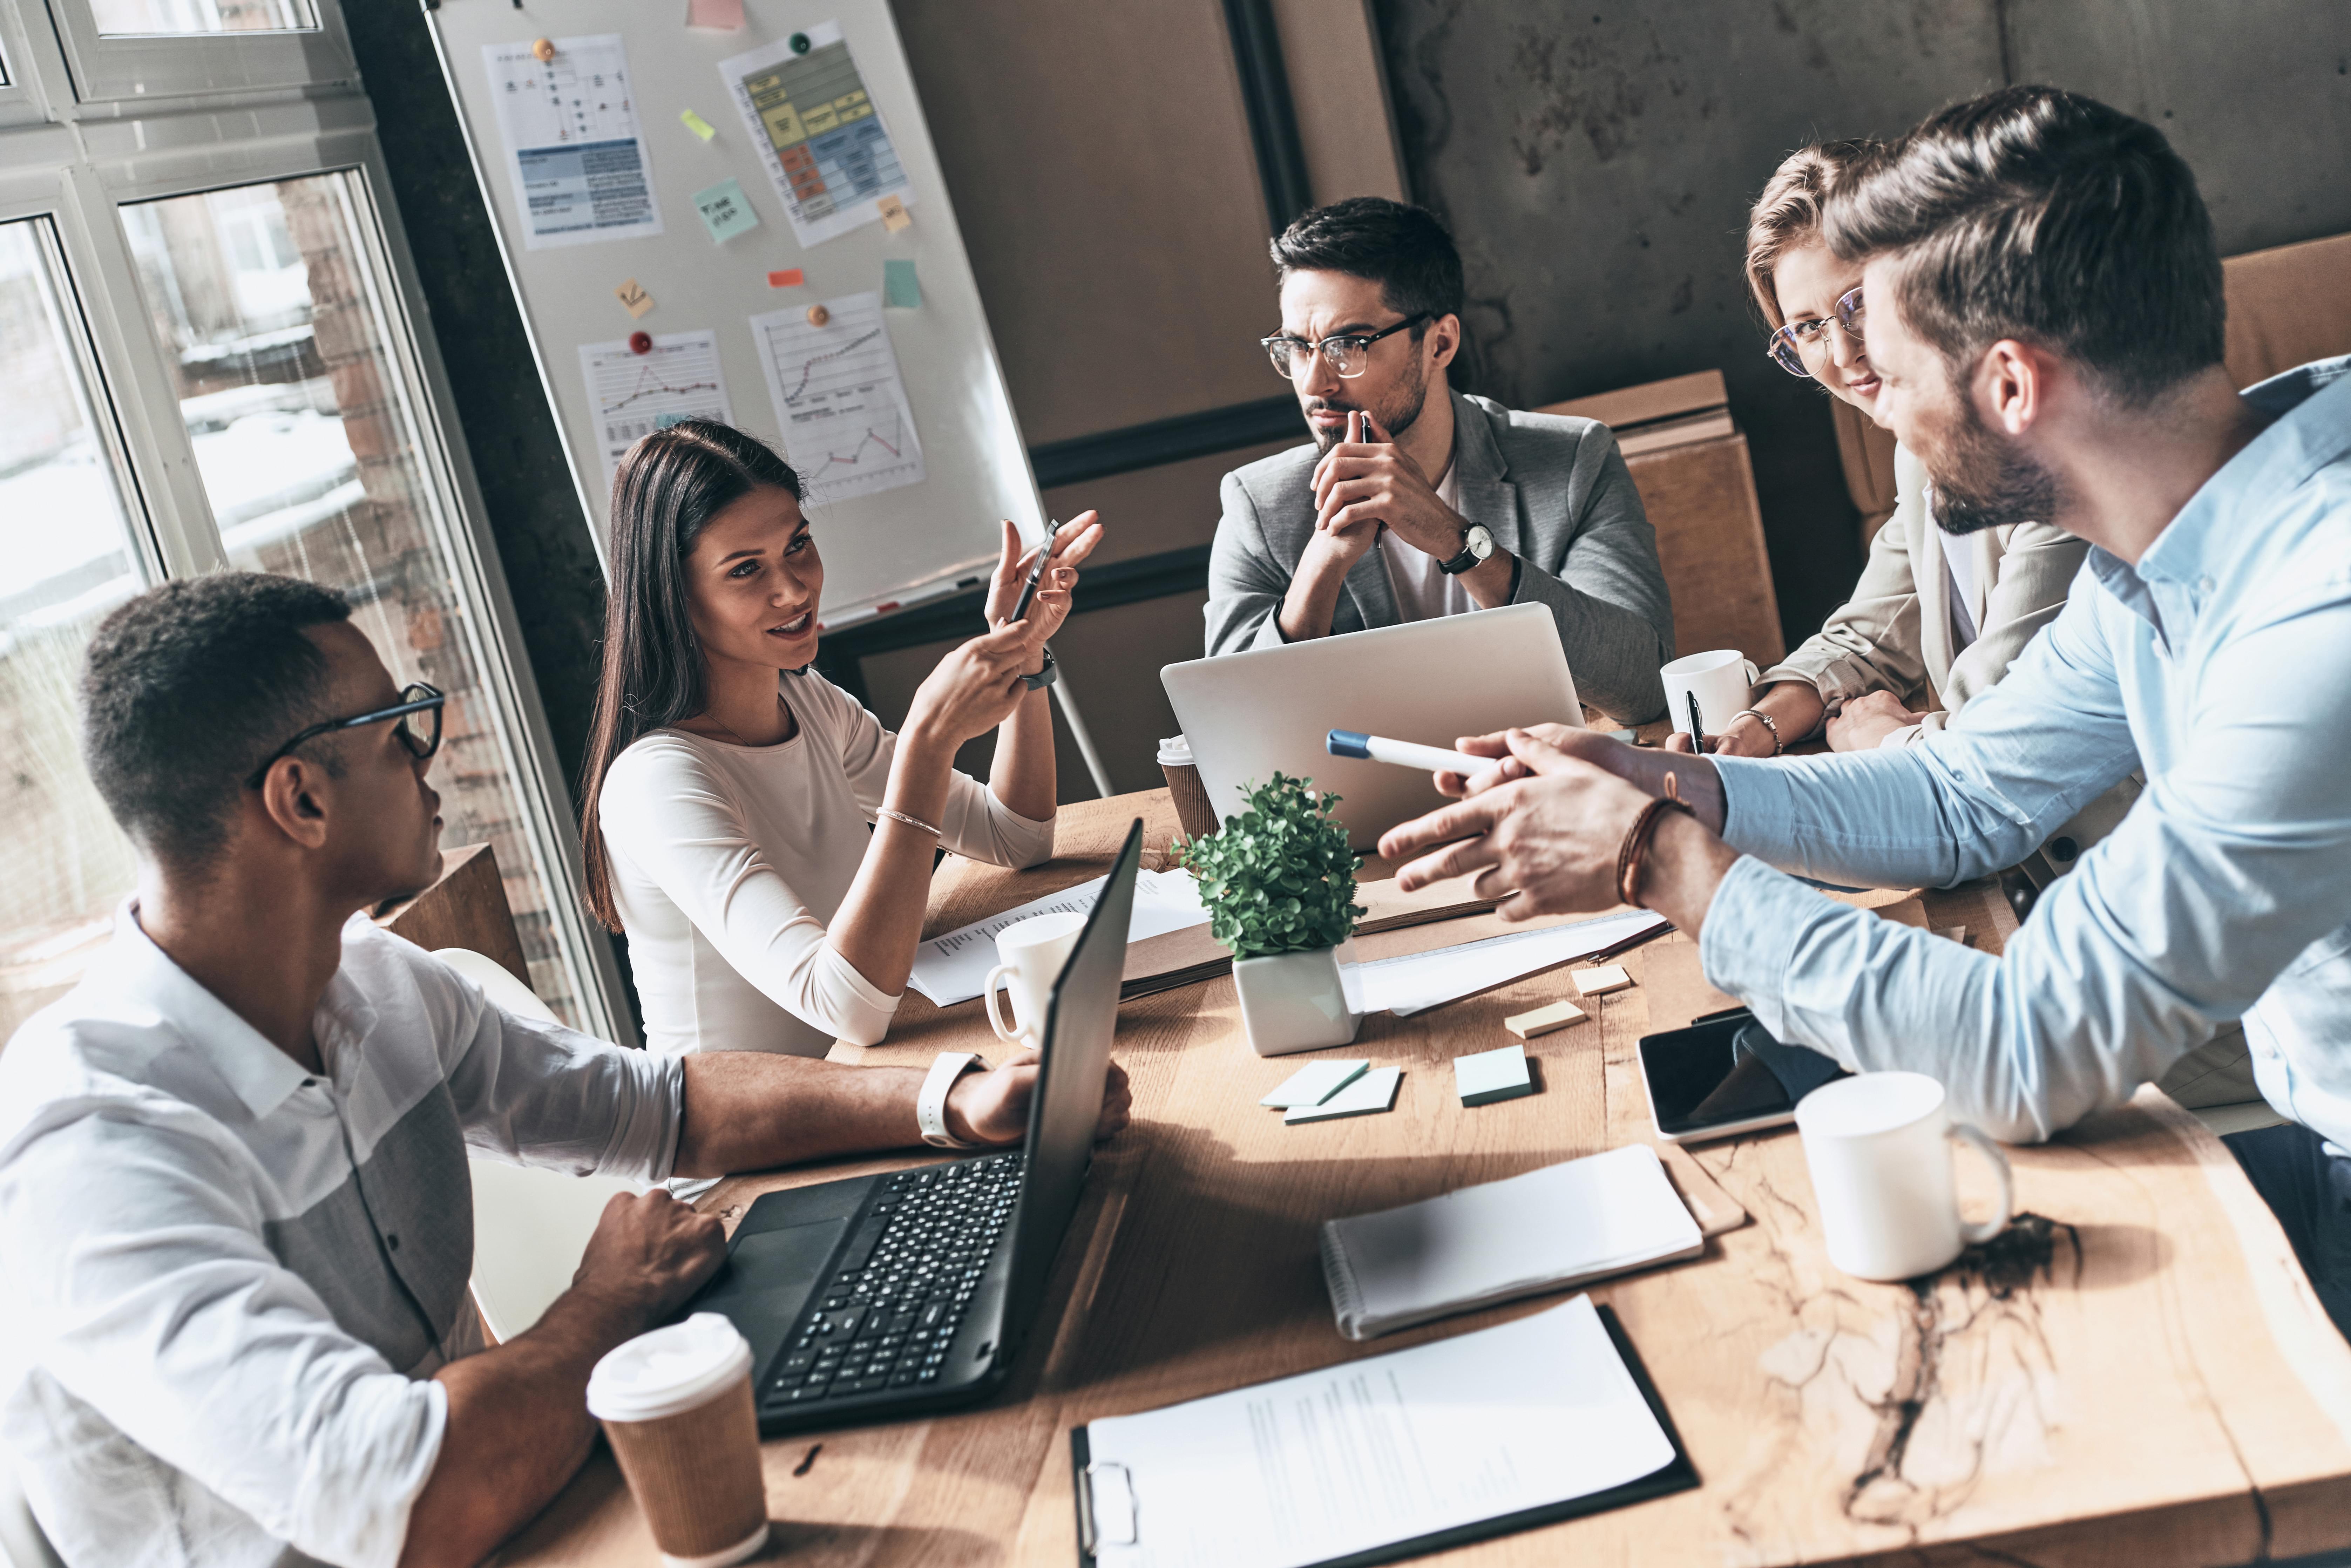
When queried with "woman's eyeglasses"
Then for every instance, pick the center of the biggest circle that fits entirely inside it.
(1799, 346)
(417, 713)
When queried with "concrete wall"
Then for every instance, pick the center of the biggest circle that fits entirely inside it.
(1595, 162)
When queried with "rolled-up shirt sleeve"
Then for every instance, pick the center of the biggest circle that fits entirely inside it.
(163, 1310)
(532, 1093)
(2224, 875)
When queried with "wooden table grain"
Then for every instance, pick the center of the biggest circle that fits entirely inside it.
(2136, 1373)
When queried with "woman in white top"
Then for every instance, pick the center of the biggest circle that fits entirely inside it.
(764, 842)
(1935, 612)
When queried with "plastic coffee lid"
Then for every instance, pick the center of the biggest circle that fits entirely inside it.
(669, 1370)
(1175, 751)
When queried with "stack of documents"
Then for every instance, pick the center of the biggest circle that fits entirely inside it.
(950, 969)
(1562, 1225)
(1390, 1456)
(1417, 982)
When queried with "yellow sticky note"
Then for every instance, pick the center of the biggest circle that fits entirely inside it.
(1543, 1020)
(1599, 982)
(696, 124)
(632, 295)
(895, 215)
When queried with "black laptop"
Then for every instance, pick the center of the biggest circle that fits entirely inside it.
(886, 1295)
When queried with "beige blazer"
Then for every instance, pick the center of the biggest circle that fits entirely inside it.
(1896, 634)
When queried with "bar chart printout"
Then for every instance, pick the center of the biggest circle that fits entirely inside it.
(571, 124)
(839, 399)
(636, 393)
(818, 132)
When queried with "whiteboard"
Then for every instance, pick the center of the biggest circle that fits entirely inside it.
(881, 550)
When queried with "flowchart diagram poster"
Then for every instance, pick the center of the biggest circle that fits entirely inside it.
(839, 399)
(804, 102)
(636, 395)
(572, 146)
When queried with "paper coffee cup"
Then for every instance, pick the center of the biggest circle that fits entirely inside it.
(1192, 808)
(676, 1404)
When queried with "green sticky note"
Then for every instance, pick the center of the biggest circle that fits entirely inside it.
(1369, 1095)
(696, 124)
(726, 210)
(1493, 1075)
(1315, 1083)
(900, 287)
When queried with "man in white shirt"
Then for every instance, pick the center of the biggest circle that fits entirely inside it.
(235, 1208)
(1413, 500)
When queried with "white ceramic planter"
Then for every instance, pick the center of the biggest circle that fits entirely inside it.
(1294, 1001)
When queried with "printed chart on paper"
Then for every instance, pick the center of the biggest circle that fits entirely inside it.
(818, 132)
(636, 393)
(570, 125)
(839, 399)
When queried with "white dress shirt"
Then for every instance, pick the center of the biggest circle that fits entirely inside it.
(728, 862)
(231, 1279)
(2222, 664)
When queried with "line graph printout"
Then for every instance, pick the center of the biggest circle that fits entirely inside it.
(818, 132)
(570, 125)
(636, 395)
(839, 399)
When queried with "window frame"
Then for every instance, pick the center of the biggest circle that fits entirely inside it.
(146, 68)
(45, 172)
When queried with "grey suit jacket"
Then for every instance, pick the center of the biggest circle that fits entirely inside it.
(1553, 491)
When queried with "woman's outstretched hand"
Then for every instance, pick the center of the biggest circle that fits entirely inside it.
(1051, 606)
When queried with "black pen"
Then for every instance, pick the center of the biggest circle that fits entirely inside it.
(1036, 572)
(1698, 728)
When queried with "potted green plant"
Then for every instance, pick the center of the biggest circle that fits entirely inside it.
(1278, 882)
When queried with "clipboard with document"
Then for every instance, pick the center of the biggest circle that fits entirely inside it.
(1545, 1418)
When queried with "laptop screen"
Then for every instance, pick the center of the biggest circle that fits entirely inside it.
(1078, 1022)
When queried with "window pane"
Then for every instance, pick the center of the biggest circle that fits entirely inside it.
(119, 17)
(307, 440)
(66, 561)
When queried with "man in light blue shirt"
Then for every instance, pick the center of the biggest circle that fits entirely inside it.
(2043, 306)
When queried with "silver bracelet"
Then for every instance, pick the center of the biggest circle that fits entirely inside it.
(1776, 747)
(897, 816)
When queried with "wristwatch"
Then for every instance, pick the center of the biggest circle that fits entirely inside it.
(931, 1103)
(1477, 544)
(1044, 677)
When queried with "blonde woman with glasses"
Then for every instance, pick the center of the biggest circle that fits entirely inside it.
(1935, 612)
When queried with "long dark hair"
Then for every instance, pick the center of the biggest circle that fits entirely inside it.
(668, 488)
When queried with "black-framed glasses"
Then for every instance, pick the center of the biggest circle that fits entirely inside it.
(1799, 343)
(1349, 354)
(417, 713)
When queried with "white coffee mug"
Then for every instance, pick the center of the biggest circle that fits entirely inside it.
(1032, 952)
(1720, 681)
(1879, 1147)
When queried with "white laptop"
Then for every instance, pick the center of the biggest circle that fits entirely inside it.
(1247, 714)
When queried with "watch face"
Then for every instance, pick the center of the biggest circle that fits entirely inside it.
(1478, 542)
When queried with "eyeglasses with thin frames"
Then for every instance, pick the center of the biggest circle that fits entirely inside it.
(418, 714)
(1801, 342)
(1349, 354)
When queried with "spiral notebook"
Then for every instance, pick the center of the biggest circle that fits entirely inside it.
(1563, 1225)
(1389, 1457)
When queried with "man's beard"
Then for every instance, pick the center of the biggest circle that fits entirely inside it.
(1403, 411)
(1983, 481)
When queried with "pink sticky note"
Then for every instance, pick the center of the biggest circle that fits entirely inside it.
(791, 279)
(727, 14)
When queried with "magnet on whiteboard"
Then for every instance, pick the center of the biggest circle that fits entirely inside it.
(543, 51)
(641, 342)
(818, 316)
(799, 43)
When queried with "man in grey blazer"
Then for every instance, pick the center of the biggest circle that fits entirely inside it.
(1413, 500)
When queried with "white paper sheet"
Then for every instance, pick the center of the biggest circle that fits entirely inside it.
(950, 969)
(636, 393)
(848, 428)
(1419, 981)
(818, 132)
(1385, 1449)
(573, 150)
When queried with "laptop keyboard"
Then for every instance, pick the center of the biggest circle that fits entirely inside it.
(890, 1307)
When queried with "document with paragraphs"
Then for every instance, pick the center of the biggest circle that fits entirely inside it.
(1383, 1457)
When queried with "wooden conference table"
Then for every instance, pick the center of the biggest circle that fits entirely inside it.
(2140, 1375)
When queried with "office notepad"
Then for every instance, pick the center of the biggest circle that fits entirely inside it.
(1550, 1228)
(1391, 1457)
